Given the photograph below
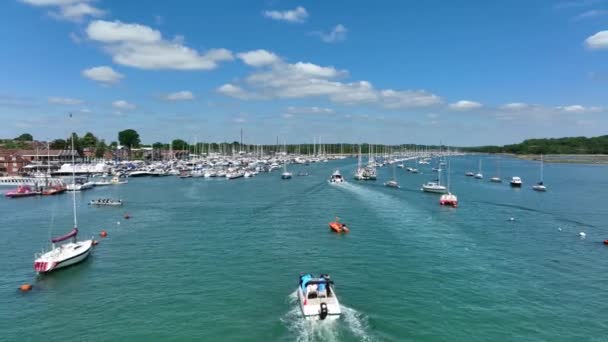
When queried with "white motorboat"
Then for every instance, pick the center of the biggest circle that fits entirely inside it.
(435, 187)
(80, 184)
(106, 202)
(317, 297)
(496, 180)
(336, 177)
(286, 175)
(68, 253)
(392, 184)
(516, 182)
(116, 181)
(102, 182)
(469, 174)
(139, 173)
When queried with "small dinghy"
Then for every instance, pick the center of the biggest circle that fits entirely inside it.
(338, 227)
(318, 300)
(106, 202)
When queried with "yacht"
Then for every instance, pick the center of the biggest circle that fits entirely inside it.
(336, 177)
(317, 297)
(435, 187)
(516, 182)
(80, 184)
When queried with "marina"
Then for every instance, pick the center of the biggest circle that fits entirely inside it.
(399, 233)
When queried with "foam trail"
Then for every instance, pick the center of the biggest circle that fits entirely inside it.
(356, 323)
(352, 323)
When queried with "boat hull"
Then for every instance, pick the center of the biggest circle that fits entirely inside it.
(47, 265)
(311, 308)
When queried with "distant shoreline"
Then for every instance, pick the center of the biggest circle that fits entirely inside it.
(601, 159)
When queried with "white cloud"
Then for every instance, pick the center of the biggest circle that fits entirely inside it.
(239, 120)
(309, 110)
(598, 40)
(118, 32)
(408, 98)
(338, 33)
(590, 14)
(297, 15)
(302, 79)
(72, 10)
(578, 109)
(140, 46)
(103, 74)
(122, 104)
(258, 58)
(464, 105)
(515, 106)
(183, 95)
(234, 91)
(64, 101)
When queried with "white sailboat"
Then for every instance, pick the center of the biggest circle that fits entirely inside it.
(69, 253)
(393, 182)
(435, 186)
(479, 175)
(449, 198)
(497, 179)
(285, 174)
(540, 186)
(360, 173)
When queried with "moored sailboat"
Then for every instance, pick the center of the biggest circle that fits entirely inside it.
(540, 186)
(69, 253)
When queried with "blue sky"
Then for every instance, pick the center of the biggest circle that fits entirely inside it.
(466, 73)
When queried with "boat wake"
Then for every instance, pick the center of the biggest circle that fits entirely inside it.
(351, 325)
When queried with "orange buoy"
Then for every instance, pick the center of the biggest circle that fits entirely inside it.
(25, 287)
(95, 242)
(103, 233)
(605, 242)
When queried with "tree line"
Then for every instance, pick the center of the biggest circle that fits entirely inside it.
(569, 145)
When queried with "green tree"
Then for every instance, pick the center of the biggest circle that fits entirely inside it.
(77, 145)
(100, 149)
(25, 137)
(89, 140)
(58, 144)
(129, 138)
(179, 144)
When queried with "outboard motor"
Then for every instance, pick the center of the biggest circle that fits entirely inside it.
(323, 312)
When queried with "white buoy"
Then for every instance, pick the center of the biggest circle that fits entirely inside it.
(511, 219)
(559, 228)
(117, 222)
(582, 235)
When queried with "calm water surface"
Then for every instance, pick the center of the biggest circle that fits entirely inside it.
(211, 260)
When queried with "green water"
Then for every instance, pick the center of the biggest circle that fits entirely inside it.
(217, 260)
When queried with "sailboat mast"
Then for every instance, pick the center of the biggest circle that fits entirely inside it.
(74, 182)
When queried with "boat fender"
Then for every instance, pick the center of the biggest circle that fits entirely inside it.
(25, 287)
(323, 312)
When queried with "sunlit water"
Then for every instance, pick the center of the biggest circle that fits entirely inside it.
(209, 259)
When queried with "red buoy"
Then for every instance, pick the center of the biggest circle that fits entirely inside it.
(25, 287)
(103, 234)
(605, 242)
